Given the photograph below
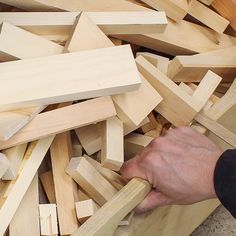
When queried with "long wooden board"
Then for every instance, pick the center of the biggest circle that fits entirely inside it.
(70, 76)
(32, 160)
(53, 122)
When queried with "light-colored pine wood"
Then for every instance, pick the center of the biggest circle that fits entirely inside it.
(176, 10)
(107, 218)
(10, 200)
(48, 219)
(207, 2)
(26, 219)
(227, 9)
(46, 179)
(86, 35)
(16, 43)
(182, 39)
(193, 69)
(85, 209)
(112, 151)
(14, 155)
(86, 5)
(77, 150)
(152, 124)
(115, 71)
(90, 138)
(173, 96)
(76, 115)
(136, 105)
(90, 180)
(65, 187)
(134, 143)
(207, 16)
(4, 164)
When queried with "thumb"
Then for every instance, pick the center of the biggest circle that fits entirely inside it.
(154, 199)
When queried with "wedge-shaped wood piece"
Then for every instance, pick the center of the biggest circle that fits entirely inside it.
(48, 185)
(193, 69)
(176, 10)
(181, 39)
(107, 218)
(95, 5)
(76, 115)
(15, 156)
(16, 43)
(4, 164)
(227, 9)
(26, 219)
(207, 16)
(173, 96)
(86, 35)
(65, 187)
(59, 23)
(85, 209)
(10, 200)
(97, 187)
(136, 105)
(112, 152)
(115, 72)
(134, 143)
(48, 219)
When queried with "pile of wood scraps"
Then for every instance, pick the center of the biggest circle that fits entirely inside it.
(86, 85)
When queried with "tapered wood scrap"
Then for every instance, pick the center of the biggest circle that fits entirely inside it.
(17, 43)
(90, 180)
(227, 9)
(115, 70)
(48, 219)
(48, 185)
(112, 151)
(65, 187)
(26, 219)
(182, 39)
(115, 179)
(136, 105)
(86, 35)
(53, 122)
(107, 218)
(4, 164)
(193, 69)
(176, 10)
(85, 209)
(15, 156)
(207, 16)
(16, 189)
(134, 143)
(173, 96)
(90, 138)
(98, 5)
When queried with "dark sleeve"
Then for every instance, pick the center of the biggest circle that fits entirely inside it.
(225, 180)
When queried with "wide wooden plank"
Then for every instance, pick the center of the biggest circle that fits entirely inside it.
(227, 9)
(10, 201)
(90, 180)
(107, 218)
(176, 10)
(86, 5)
(115, 71)
(207, 16)
(53, 122)
(59, 23)
(26, 219)
(112, 151)
(193, 69)
(16, 43)
(65, 187)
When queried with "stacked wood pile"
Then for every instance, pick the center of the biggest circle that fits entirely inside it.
(75, 104)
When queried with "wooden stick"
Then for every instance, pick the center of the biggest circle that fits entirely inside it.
(4, 164)
(107, 218)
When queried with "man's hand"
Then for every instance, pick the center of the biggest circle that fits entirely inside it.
(179, 166)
